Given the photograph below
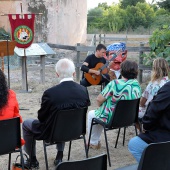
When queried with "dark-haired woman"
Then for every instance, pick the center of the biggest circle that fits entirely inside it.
(9, 107)
(126, 88)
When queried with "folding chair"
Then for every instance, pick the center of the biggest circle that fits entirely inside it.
(10, 141)
(68, 125)
(125, 114)
(98, 163)
(155, 156)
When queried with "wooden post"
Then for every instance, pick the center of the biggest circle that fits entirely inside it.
(77, 67)
(140, 62)
(104, 35)
(42, 70)
(24, 74)
(94, 40)
(100, 39)
(2, 62)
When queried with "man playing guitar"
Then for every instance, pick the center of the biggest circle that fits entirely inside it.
(91, 66)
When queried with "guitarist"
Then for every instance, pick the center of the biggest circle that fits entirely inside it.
(91, 61)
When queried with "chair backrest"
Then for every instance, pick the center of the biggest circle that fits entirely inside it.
(98, 163)
(125, 113)
(156, 156)
(68, 125)
(10, 134)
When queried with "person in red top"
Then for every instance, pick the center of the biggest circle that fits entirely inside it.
(9, 107)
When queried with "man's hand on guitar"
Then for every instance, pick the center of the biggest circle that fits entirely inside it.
(96, 72)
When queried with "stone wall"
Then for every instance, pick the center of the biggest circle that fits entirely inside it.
(61, 22)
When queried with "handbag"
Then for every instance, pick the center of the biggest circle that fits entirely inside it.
(18, 166)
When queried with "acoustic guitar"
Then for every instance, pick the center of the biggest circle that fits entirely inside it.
(94, 79)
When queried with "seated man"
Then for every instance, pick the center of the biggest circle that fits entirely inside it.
(66, 95)
(156, 123)
(91, 69)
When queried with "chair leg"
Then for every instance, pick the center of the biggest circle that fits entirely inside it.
(22, 159)
(45, 154)
(117, 138)
(107, 147)
(85, 146)
(136, 130)
(89, 138)
(32, 145)
(124, 133)
(69, 150)
(9, 161)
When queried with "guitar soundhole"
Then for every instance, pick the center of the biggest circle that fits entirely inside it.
(94, 77)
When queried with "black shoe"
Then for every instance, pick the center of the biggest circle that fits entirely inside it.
(34, 164)
(57, 161)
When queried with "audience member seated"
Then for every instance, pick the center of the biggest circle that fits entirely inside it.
(119, 89)
(91, 67)
(156, 123)
(9, 107)
(66, 95)
(159, 77)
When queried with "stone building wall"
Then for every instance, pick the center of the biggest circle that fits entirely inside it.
(61, 22)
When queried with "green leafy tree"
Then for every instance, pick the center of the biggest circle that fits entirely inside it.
(114, 19)
(125, 3)
(94, 18)
(159, 43)
(164, 4)
(134, 17)
(162, 17)
(149, 14)
(103, 5)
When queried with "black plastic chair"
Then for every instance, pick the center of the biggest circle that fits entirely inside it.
(97, 162)
(125, 114)
(68, 125)
(154, 157)
(10, 141)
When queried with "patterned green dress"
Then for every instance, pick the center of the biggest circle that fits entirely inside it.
(118, 89)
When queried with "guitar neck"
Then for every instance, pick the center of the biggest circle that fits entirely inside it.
(108, 61)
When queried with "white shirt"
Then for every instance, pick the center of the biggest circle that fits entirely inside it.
(66, 79)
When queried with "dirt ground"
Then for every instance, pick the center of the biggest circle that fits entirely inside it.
(29, 104)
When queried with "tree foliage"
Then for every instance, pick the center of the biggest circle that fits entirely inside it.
(125, 3)
(134, 17)
(159, 43)
(164, 4)
(95, 17)
(114, 18)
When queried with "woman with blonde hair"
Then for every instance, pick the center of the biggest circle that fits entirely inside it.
(159, 77)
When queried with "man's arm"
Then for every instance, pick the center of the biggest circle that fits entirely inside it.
(85, 68)
(43, 112)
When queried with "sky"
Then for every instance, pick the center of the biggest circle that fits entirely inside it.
(94, 3)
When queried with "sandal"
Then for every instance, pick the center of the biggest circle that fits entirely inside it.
(96, 147)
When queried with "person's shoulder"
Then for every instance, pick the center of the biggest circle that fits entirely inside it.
(51, 89)
(91, 56)
(166, 85)
(11, 92)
